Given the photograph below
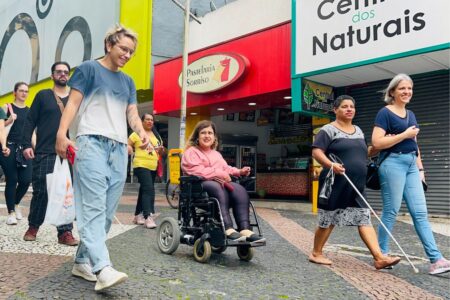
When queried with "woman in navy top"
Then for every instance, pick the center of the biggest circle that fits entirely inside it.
(401, 173)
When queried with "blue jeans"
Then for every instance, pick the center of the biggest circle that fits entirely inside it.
(99, 177)
(400, 178)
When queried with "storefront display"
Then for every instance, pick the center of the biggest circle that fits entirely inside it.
(331, 55)
(240, 152)
(253, 115)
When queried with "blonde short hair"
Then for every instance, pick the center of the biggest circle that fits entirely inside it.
(393, 85)
(116, 33)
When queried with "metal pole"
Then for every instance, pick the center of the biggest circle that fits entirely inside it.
(184, 75)
(191, 14)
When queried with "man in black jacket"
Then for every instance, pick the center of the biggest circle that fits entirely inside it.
(44, 116)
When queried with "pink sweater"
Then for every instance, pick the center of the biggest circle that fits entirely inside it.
(208, 164)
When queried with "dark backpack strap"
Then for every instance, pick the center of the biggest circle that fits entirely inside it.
(379, 163)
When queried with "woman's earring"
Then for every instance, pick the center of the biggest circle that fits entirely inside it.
(196, 141)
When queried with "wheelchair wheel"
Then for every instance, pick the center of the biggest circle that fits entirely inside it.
(172, 194)
(202, 254)
(245, 252)
(218, 250)
(168, 235)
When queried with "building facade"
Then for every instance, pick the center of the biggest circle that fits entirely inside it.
(332, 48)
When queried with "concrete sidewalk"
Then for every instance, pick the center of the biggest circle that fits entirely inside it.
(439, 224)
(280, 270)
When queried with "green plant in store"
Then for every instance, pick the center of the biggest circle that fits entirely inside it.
(308, 96)
(261, 193)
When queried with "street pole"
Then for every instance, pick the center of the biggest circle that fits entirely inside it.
(187, 14)
(184, 75)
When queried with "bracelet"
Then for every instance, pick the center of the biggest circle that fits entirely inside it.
(421, 170)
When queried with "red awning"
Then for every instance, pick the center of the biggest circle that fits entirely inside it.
(266, 81)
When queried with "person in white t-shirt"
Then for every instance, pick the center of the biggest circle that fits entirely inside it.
(101, 100)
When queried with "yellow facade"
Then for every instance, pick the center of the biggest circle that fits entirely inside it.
(137, 15)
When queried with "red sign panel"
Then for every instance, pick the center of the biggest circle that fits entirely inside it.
(267, 51)
(214, 72)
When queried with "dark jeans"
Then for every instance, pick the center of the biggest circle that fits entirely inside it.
(42, 165)
(18, 179)
(237, 199)
(146, 198)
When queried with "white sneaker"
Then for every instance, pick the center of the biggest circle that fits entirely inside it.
(439, 267)
(109, 277)
(84, 271)
(150, 223)
(18, 211)
(139, 220)
(155, 215)
(11, 219)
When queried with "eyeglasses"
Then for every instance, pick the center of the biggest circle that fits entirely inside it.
(125, 50)
(22, 91)
(61, 72)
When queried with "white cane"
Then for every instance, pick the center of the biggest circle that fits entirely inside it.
(336, 159)
(121, 225)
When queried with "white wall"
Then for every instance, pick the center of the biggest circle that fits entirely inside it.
(237, 19)
(43, 28)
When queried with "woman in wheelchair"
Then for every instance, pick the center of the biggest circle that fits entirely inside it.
(202, 159)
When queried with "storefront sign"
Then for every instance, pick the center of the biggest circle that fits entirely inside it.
(317, 99)
(337, 33)
(214, 72)
(35, 34)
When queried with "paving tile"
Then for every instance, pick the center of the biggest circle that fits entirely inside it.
(361, 275)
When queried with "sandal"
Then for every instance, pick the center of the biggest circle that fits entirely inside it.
(255, 238)
(235, 236)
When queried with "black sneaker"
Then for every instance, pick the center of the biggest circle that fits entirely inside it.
(236, 237)
(255, 238)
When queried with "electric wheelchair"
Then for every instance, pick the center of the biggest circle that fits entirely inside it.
(200, 225)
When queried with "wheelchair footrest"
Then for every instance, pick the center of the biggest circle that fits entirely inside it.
(258, 243)
(251, 244)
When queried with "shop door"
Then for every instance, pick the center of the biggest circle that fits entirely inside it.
(430, 104)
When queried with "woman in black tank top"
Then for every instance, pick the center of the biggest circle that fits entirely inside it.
(18, 176)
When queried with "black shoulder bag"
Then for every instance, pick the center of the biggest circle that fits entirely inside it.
(21, 162)
(372, 179)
